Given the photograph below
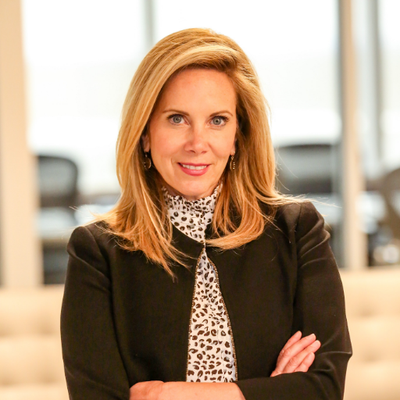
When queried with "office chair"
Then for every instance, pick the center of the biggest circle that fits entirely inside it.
(58, 187)
(305, 168)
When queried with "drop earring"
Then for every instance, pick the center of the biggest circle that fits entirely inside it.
(232, 163)
(147, 161)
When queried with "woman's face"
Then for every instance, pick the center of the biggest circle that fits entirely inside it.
(192, 132)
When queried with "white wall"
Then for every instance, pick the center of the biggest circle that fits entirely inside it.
(19, 247)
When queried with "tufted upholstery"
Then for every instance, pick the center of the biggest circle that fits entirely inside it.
(373, 312)
(30, 351)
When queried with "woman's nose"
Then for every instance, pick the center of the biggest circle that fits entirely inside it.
(196, 139)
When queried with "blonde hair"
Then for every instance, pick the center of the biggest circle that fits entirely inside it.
(140, 218)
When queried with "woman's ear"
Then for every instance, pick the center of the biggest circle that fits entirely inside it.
(145, 139)
(233, 150)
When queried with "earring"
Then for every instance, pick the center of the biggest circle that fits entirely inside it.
(147, 161)
(232, 163)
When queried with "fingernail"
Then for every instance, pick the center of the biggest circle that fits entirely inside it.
(312, 335)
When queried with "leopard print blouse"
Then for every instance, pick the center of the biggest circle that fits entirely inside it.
(211, 352)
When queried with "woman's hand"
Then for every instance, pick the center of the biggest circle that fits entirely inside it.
(157, 390)
(297, 355)
(150, 390)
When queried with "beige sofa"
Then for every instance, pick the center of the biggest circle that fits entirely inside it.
(373, 312)
(30, 354)
(30, 351)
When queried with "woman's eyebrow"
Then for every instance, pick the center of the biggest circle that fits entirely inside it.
(185, 113)
(175, 111)
(222, 112)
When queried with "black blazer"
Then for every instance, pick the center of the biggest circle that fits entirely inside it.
(124, 320)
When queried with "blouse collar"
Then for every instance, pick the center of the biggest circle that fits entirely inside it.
(203, 205)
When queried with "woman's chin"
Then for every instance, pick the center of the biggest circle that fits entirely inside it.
(191, 192)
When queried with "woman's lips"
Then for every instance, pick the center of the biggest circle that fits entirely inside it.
(194, 169)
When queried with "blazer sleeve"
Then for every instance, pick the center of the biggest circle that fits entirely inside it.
(318, 308)
(92, 361)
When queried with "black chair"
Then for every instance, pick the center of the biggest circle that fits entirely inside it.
(390, 191)
(305, 168)
(58, 187)
(58, 182)
(309, 169)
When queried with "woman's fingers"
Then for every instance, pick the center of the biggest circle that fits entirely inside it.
(281, 364)
(295, 355)
(294, 339)
(289, 355)
(306, 364)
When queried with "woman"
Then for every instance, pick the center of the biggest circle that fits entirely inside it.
(202, 279)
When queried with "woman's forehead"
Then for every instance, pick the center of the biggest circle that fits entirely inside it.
(199, 85)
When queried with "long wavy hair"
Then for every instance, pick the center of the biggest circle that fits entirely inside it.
(140, 218)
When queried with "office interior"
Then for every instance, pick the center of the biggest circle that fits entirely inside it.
(330, 71)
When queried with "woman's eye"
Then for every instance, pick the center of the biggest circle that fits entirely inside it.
(176, 119)
(219, 121)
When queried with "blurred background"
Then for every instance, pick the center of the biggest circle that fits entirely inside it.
(330, 71)
(334, 98)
